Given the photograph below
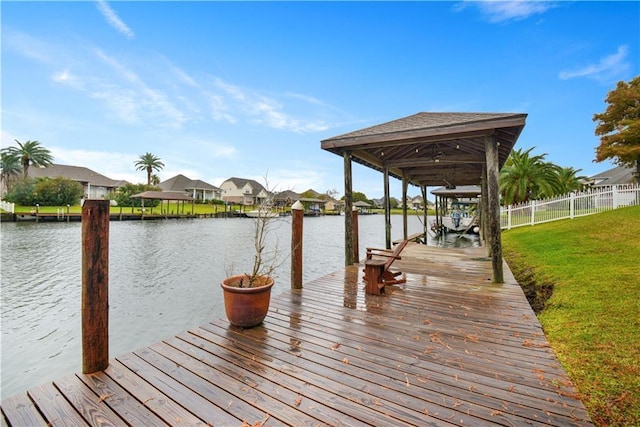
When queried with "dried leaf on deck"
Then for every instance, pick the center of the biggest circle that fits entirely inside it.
(104, 397)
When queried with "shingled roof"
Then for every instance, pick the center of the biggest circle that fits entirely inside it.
(182, 183)
(431, 149)
(75, 173)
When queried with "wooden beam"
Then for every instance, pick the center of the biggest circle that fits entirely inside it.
(493, 199)
(348, 208)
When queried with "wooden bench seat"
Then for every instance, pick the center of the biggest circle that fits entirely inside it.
(376, 268)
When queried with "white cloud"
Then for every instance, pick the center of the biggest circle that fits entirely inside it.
(268, 111)
(30, 47)
(608, 68)
(114, 20)
(137, 101)
(67, 78)
(497, 11)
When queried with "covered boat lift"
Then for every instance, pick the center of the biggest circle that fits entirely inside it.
(169, 196)
(471, 193)
(433, 149)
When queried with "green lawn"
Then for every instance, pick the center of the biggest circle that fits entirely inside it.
(592, 319)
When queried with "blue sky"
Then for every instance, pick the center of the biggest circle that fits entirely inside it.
(248, 89)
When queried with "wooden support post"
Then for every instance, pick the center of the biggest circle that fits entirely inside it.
(356, 242)
(348, 207)
(425, 220)
(95, 285)
(493, 199)
(484, 211)
(387, 209)
(405, 232)
(297, 214)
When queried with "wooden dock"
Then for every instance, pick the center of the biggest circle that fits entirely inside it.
(448, 347)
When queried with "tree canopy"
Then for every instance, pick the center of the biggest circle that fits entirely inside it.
(527, 177)
(29, 153)
(11, 168)
(619, 126)
(149, 162)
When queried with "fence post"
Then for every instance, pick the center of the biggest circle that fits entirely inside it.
(95, 285)
(509, 217)
(572, 202)
(614, 196)
(533, 212)
(297, 214)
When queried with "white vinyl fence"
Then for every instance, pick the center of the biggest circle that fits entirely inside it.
(589, 202)
(7, 207)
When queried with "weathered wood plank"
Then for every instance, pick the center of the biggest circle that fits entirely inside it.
(54, 407)
(248, 403)
(119, 400)
(356, 403)
(21, 411)
(177, 392)
(86, 403)
(171, 412)
(302, 395)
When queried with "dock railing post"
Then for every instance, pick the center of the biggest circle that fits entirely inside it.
(95, 285)
(297, 214)
(356, 243)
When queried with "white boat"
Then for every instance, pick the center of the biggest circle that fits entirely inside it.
(261, 213)
(458, 221)
(461, 217)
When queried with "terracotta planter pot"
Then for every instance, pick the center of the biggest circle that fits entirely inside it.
(246, 307)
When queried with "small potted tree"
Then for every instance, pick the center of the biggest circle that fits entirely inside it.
(247, 296)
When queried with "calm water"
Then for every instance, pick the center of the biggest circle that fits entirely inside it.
(163, 278)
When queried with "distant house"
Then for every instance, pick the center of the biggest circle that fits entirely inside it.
(95, 185)
(243, 191)
(615, 176)
(196, 188)
(331, 204)
(285, 198)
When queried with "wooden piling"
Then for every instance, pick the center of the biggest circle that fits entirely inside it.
(493, 202)
(297, 214)
(95, 285)
(356, 242)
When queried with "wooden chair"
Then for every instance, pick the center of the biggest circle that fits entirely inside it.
(376, 268)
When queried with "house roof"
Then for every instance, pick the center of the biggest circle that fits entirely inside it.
(75, 173)
(182, 183)
(431, 149)
(287, 195)
(163, 195)
(617, 175)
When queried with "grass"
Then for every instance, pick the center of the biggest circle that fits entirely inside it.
(592, 318)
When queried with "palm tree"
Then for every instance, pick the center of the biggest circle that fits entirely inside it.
(11, 167)
(149, 162)
(30, 153)
(526, 177)
(569, 180)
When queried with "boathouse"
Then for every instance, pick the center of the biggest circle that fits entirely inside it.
(433, 149)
